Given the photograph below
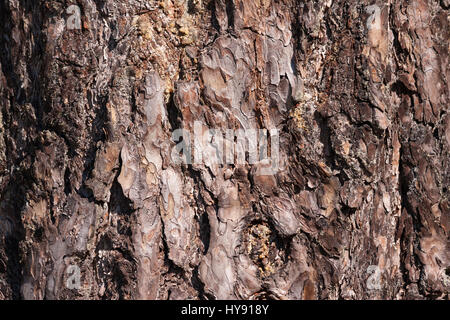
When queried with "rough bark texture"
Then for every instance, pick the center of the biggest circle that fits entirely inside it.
(358, 91)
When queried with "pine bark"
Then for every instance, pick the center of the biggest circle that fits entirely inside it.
(357, 90)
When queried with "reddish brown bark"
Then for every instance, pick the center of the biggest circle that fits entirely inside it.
(357, 91)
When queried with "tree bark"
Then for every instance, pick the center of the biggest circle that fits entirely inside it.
(356, 93)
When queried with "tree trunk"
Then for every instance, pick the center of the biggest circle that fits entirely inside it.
(351, 200)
